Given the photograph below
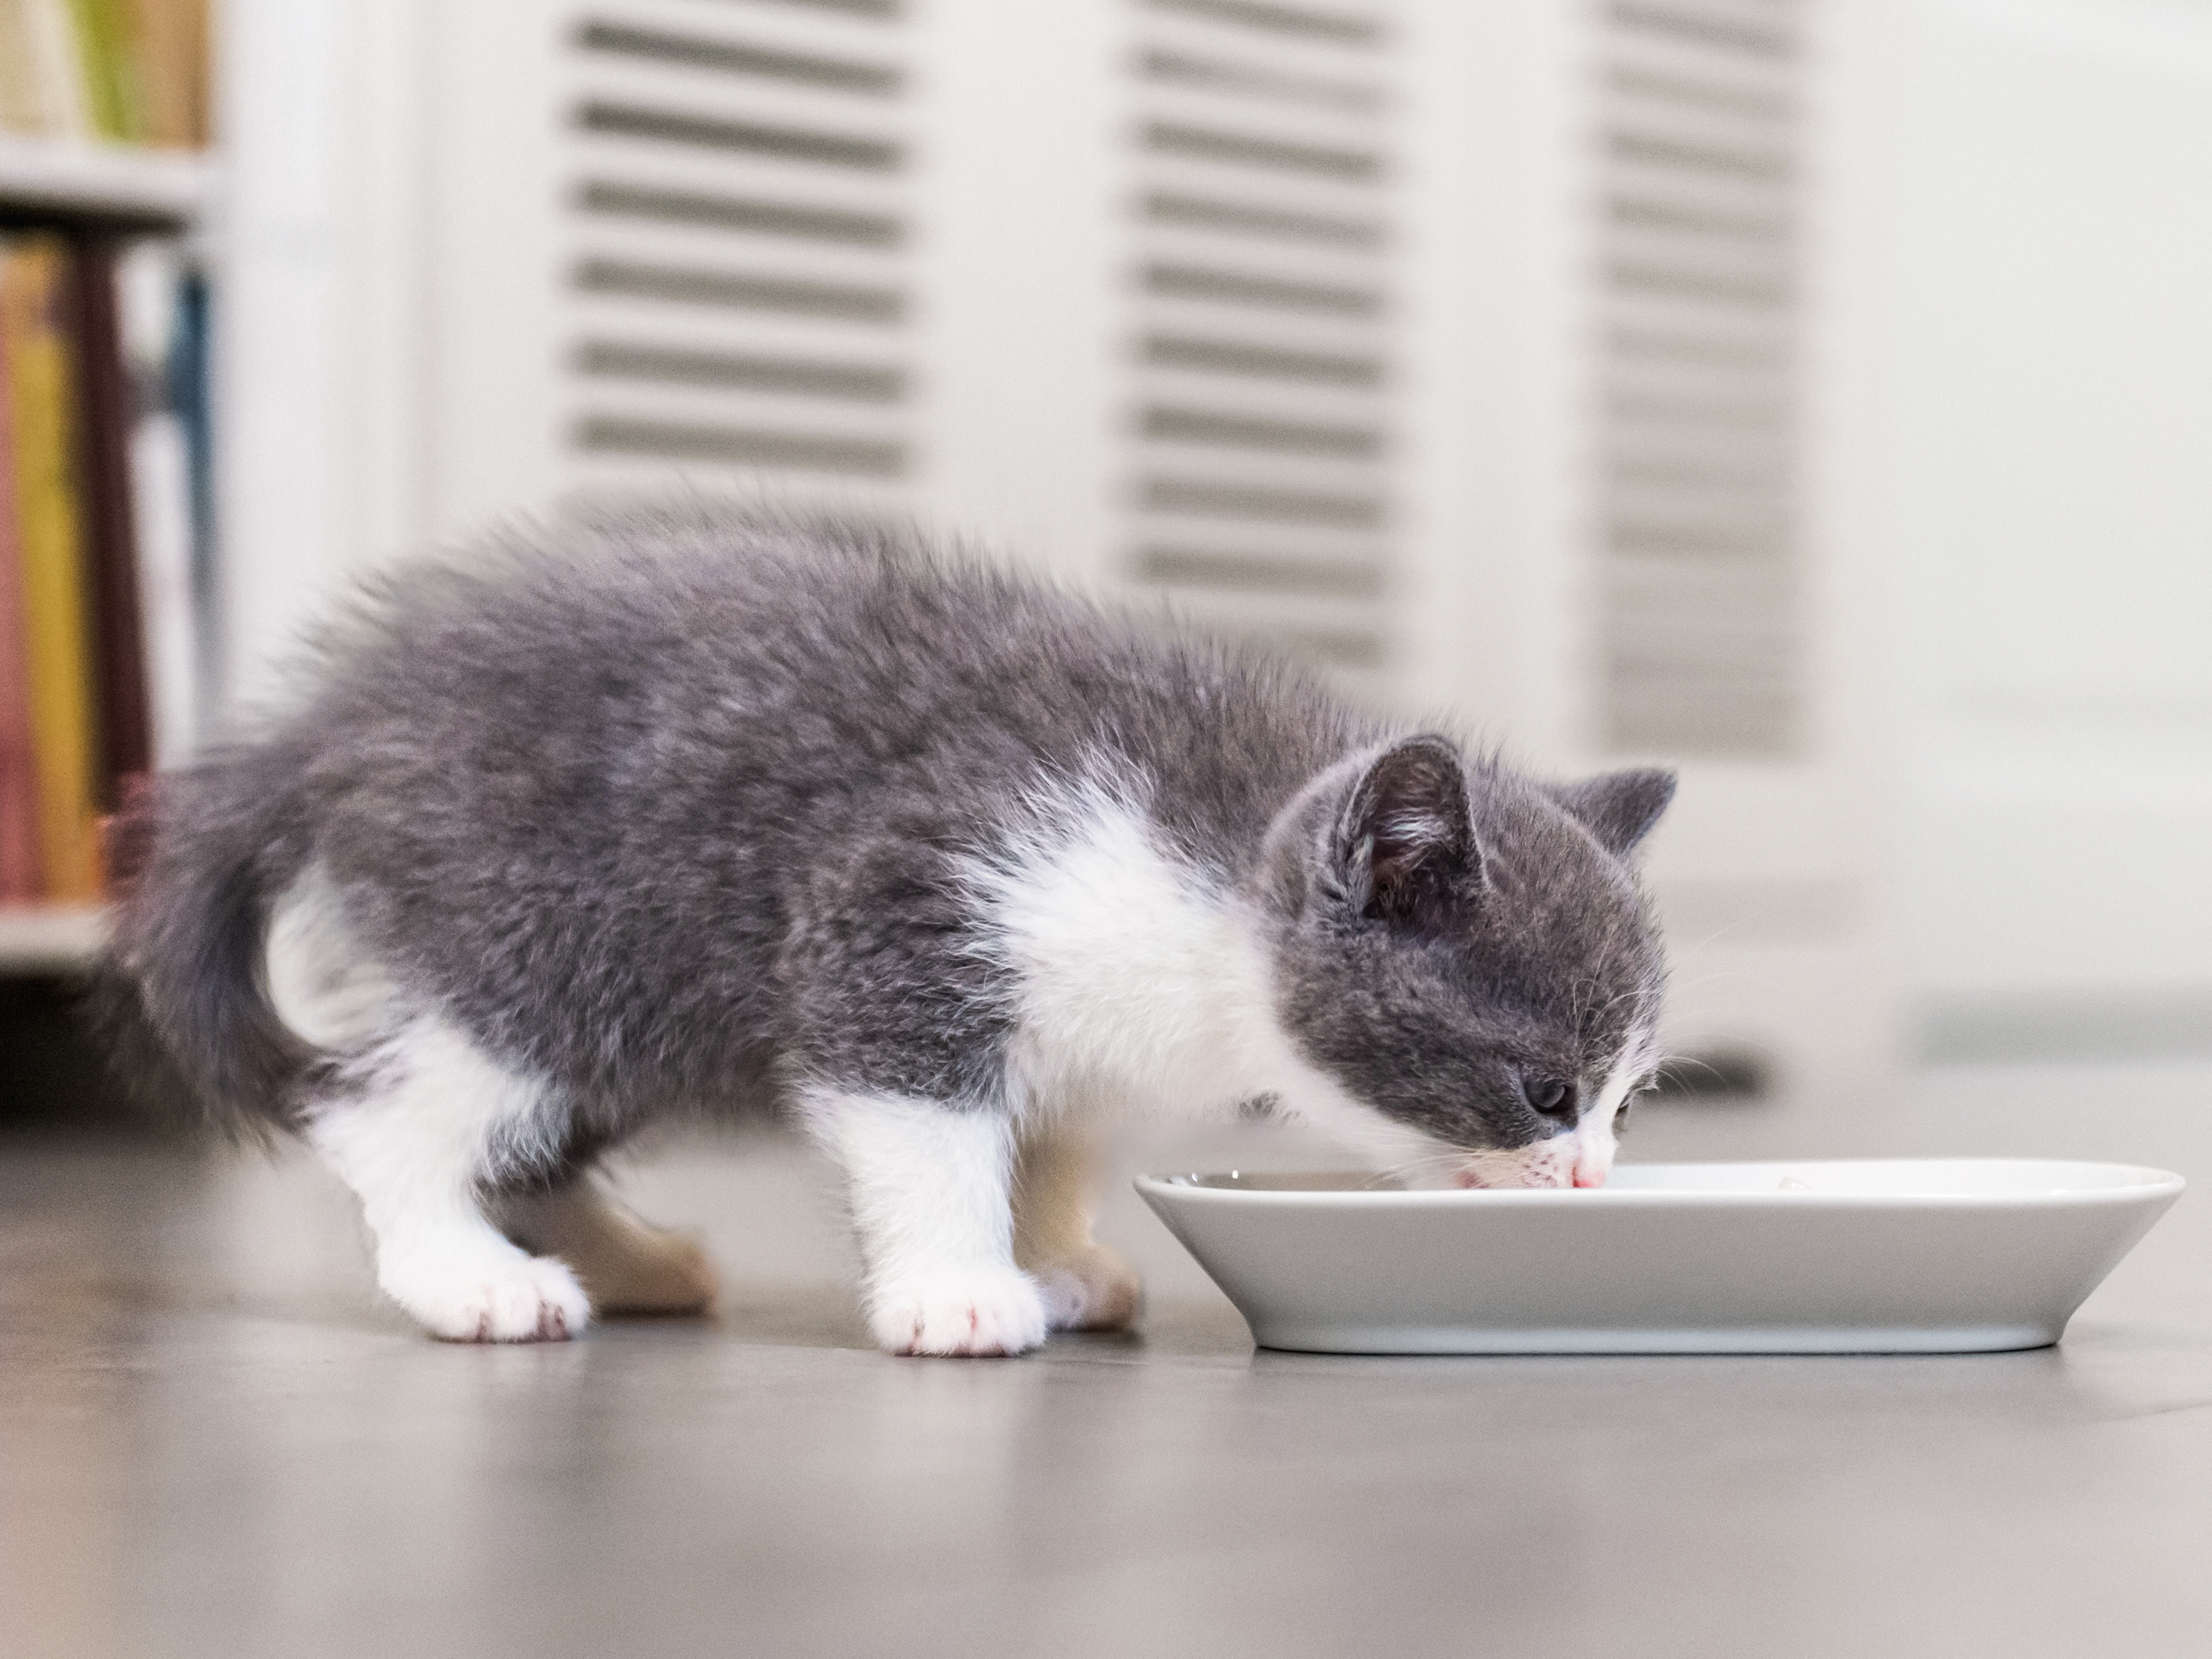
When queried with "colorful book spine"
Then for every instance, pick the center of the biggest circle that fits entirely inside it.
(169, 48)
(191, 394)
(111, 540)
(20, 881)
(22, 98)
(52, 64)
(111, 89)
(34, 293)
(150, 290)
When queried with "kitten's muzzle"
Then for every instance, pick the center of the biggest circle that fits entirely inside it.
(1564, 1160)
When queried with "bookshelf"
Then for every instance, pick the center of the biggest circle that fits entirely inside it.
(51, 938)
(53, 181)
(101, 187)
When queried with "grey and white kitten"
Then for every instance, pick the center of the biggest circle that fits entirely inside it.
(674, 813)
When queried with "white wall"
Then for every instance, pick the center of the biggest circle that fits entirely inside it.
(279, 318)
(2039, 263)
(322, 313)
(1021, 169)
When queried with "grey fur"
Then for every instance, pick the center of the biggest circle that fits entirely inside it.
(668, 811)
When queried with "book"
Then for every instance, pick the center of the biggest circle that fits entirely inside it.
(50, 68)
(169, 48)
(191, 383)
(34, 297)
(109, 535)
(22, 99)
(151, 280)
(111, 89)
(19, 809)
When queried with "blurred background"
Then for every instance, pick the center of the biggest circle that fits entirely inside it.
(1815, 395)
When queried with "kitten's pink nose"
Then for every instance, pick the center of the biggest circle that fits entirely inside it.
(1587, 1175)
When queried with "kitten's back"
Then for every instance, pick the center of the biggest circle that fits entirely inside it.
(574, 791)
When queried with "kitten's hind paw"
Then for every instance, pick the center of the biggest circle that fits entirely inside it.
(627, 1267)
(1094, 1292)
(520, 1298)
(986, 1310)
(675, 1275)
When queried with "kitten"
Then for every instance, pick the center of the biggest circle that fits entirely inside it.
(666, 813)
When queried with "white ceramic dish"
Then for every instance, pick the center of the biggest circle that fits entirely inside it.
(1924, 1257)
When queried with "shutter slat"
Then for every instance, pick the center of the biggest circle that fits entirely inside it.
(1699, 626)
(738, 290)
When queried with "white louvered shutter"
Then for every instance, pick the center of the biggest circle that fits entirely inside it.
(1456, 350)
(1260, 490)
(1700, 593)
(735, 197)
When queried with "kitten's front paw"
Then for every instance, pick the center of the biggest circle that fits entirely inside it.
(1094, 1292)
(986, 1310)
(525, 1298)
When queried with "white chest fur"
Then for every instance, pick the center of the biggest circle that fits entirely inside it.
(1145, 990)
(1137, 982)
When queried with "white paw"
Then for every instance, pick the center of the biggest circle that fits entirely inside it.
(983, 1310)
(483, 1297)
(1094, 1292)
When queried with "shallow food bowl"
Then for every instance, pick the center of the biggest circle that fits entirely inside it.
(1907, 1256)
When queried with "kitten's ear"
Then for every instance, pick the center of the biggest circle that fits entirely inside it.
(1618, 808)
(1405, 843)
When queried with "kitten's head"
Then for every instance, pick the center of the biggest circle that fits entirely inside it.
(1463, 964)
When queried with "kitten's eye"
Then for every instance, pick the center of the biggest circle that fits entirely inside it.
(1548, 1097)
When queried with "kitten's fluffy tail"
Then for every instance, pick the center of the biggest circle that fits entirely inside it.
(201, 857)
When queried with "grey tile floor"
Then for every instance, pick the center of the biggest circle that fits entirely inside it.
(213, 1441)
